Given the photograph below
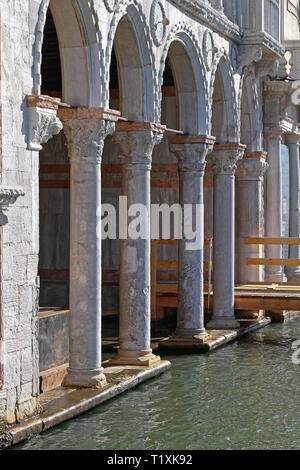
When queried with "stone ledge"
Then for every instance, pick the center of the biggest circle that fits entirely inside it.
(127, 126)
(216, 339)
(69, 114)
(191, 139)
(63, 404)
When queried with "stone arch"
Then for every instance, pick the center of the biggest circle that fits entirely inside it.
(136, 63)
(189, 74)
(78, 32)
(223, 85)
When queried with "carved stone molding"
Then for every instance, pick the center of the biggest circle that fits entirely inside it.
(8, 197)
(251, 168)
(191, 152)
(42, 120)
(136, 147)
(111, 5)
(224, 158)
(247, 55)
(85, 138)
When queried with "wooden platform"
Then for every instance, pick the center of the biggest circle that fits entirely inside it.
(266, 297)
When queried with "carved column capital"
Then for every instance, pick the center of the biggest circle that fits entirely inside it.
(292, 139)
(191, 152)
(42, 120)
(85, 137)
(273, 133)
(136, 142)
(252, 167)
(224, 158)
(8, 197)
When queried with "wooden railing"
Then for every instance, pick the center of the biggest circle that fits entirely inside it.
(171, 288)
(268, 241)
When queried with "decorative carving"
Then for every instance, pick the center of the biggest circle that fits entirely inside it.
(43, 124)
(85, 137)
(111, 5)
(8, 197)
(251, 168)
(158, 22)
(192, 157)
(209, 50)
(137, 146)
(248, 55)
(224, 158)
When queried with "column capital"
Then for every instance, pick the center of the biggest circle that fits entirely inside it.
(42, 120)
(224, 158)
(273, 133)
(8, 197)
(191, 151)
(292, 139)
(251, 168)
(136, 142)
(85, 137)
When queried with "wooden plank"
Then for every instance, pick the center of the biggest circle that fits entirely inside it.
(165, 264)
(272, 241)
(165, 242)
(168, 288)
(272, 262)
(264, 283)
(164, 301)
(263, 303)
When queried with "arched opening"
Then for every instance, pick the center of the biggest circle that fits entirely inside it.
(68, 71)
(219, 121)
(130, 71)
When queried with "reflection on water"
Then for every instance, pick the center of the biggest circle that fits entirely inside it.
(244, 396)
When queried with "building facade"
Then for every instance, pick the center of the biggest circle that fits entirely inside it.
(166, 101)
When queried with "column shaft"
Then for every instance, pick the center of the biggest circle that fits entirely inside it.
(136, 148)
(85, 139)
(250, 214)
(192, 162)
(273, 198)
(293, 272)
(224, 159)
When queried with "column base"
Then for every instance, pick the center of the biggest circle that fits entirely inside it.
(84, 379)
(275, 277)
(223, 323)
(188, 336)
(133, 358)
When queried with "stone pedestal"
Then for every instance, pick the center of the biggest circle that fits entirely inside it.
(136, 142)
(273, 203)
(293, 141)
(85, 139)
(191, 152)
(224, 159)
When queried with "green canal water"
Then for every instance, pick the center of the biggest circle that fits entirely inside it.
(243, 396)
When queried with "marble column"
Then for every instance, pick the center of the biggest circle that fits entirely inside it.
(250, 214)
(273, 202)
(293, 142)
(85, 132)
(191, 152)
(224, 159)
(136, 142)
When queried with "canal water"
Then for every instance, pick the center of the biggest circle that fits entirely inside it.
(243, 396)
